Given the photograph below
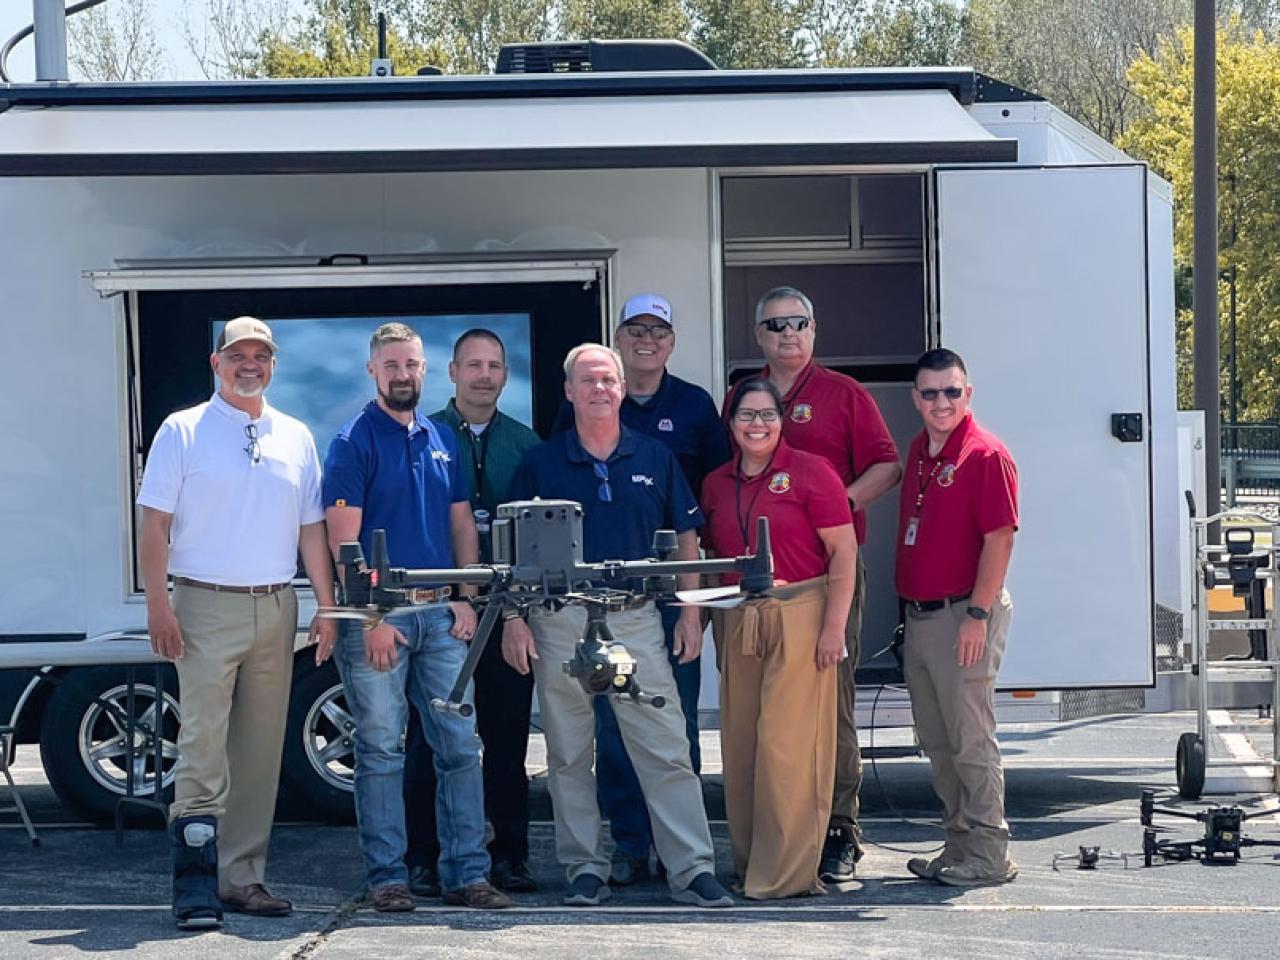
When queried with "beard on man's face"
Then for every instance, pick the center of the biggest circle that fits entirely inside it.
(402, 396)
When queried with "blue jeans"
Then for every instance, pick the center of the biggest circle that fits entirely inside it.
(617, 787)
(426, 668)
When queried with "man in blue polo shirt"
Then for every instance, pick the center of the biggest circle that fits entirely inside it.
(392, 468)
(629, 486)
(683, 417)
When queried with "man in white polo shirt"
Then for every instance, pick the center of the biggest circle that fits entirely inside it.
(230, 496)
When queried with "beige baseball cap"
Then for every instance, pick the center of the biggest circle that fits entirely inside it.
(245, 328)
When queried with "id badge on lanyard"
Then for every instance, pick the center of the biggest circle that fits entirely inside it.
(913, 527)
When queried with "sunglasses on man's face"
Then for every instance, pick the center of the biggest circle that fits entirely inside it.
(638, 331)
(778, 324)
(930, 394)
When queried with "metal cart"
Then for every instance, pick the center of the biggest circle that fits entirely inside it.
(1241, 563)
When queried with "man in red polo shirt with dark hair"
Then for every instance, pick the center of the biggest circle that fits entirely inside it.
(831, 415)
(956, 523)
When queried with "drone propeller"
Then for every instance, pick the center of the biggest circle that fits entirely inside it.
(726, 598)
(366, 614)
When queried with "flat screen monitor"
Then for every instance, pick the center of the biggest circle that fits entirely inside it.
(321, 379)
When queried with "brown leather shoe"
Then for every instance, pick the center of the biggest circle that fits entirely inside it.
(255, 901)
(393, 898)
(478, 896)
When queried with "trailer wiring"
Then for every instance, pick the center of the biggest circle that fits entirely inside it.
(28, 30)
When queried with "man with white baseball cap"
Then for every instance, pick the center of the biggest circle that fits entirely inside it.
(230, 497)
(683, 417)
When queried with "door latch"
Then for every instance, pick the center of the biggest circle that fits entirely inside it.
(1127, 427)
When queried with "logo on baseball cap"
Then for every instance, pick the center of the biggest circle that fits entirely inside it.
(245, 328)
(646, 305)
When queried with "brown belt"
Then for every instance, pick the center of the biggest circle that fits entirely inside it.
(419, 595)
(263, 591)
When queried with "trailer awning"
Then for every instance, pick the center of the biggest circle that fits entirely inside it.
(713, 130)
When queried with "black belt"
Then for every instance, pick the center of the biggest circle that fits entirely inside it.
(928, 606)
(263, 591)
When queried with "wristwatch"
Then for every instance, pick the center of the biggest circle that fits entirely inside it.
(978, 613)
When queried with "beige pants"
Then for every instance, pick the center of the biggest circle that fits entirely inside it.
(954, 712)
(655, 740)
(778, 740)
(848, 780)
(233, 680)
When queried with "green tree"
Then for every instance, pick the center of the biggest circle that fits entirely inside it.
(1249, 204)
(1075, 54)
(621, 19)
(749, 34)
(912, 33)
(339, 38)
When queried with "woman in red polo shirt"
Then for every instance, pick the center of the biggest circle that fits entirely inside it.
(777, 688)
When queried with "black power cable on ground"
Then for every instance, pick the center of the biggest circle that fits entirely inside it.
(884, 794)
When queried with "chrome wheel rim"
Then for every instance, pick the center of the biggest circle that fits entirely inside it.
(328, 738)
(103, 739)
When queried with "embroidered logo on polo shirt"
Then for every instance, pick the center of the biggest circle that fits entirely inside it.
(780, 482)
(441, 455)
(802, 412)
(666, 425)
(641, 478)
(947, 475)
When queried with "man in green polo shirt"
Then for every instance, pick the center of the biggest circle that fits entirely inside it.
(492, 445)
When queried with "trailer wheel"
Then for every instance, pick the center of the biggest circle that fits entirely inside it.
(1191, 766)
(82, 738)
(318, 767)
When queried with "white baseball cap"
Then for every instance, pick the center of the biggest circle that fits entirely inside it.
(646, 305)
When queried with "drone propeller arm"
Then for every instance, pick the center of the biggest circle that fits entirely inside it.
(454, 702)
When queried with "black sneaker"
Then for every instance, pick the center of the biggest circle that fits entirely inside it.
(587, 890)
(512, 876)
(704, 891)
(839, 854)
(424, 881)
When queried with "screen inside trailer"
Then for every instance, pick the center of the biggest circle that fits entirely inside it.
(321, 379)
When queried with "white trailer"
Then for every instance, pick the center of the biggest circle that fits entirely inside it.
(917, 207)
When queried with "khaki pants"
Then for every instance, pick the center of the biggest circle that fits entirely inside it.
(778, 739)
(954, 713)
(848, 781)
(655, 740)
(234, 680)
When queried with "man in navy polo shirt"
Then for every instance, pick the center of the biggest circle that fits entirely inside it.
(683, 417)
(392, 468)
(629, 486)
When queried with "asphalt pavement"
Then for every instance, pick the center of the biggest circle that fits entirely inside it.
(1069, 784)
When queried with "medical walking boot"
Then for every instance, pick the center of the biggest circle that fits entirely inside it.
(195, 873)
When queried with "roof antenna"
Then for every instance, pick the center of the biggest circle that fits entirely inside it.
(382, 66)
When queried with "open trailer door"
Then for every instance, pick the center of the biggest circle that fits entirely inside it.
(1041, 286)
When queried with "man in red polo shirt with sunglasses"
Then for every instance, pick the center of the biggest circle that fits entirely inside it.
(833, 416)
(956, 523)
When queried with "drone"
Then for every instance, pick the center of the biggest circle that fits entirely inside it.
(1221, 843)
(537, 562)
